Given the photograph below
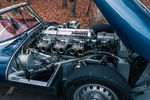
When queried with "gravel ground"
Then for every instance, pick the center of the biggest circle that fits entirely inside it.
(24, 94)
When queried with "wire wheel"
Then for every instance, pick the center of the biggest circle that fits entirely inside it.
(94, 92)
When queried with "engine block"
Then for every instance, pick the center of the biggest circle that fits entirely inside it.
(63, 40)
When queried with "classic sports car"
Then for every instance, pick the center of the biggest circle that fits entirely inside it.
(102, 63)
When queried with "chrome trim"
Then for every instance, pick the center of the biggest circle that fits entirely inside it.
(31, 82)
(12, 7)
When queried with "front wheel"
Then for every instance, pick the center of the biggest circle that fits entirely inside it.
(96, 83)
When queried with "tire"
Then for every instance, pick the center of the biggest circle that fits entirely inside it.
(103, 27)
(98, 82)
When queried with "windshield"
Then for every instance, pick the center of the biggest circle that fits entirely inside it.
(15, 22)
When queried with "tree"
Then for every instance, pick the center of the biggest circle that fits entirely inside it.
(12, 2)
(73, 8)
(64, 4)
(8, 0)
(98, 17)
(28, 1)
(0, 4)
(88, 10)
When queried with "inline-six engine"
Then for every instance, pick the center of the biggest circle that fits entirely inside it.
(65, 41)
(72, 41)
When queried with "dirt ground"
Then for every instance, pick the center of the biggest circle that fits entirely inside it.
(51, 10)
(24, 94)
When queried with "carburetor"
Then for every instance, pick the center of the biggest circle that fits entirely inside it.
(64, 40)
(73, 41)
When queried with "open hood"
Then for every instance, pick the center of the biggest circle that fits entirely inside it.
(131, 21)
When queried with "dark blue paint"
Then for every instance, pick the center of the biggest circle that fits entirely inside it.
(6, 51)
(131, 21)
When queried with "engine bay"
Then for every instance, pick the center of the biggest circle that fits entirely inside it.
(66, 46)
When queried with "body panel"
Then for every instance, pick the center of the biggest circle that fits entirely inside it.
(6, 51)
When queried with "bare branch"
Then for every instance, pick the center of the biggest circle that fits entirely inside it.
(73, 8)
(64, 4)
(88, 10)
